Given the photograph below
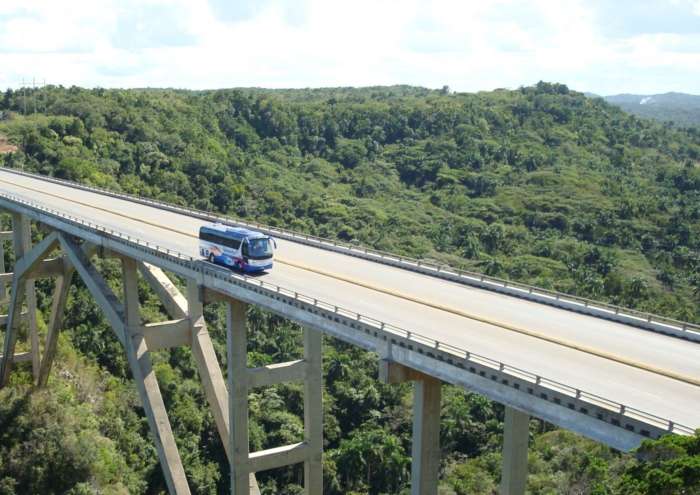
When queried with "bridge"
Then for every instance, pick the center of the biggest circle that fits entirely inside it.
(612, 374)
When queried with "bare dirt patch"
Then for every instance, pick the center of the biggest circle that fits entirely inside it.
(6, 147)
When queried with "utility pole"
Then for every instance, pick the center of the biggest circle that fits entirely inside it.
(34, 92)
(24, 99)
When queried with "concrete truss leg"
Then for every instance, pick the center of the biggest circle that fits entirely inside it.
(58, 306)
(313, 412)
(22, 237)
(515, 439)
(147, 384)
(4, 235)
(208, 364)
(426, 437)
(110, 304)
(25, 265)
(425, 450)
(174, 302)
(8, 355)
(236, 341)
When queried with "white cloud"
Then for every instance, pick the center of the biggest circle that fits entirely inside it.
(467, 45)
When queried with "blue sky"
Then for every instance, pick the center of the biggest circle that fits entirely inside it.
(606, 47)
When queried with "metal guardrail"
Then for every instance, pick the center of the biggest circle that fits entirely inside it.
(462, 356)
(634, 317)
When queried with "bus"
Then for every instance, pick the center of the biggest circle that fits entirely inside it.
(235, 247)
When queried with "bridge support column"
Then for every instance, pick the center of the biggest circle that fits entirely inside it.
(241, 379)
(58, 306)
(426, 437)
(4, 236)
(22, 243)
(425, 451)
(313, 412)
(237, 366)
(515, 438)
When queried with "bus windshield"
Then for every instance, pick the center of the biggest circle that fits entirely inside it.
(258, 248)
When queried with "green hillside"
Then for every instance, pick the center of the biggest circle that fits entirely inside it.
(680, 108)
(541, 185)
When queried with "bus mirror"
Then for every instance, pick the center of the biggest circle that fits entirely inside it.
(274, 242)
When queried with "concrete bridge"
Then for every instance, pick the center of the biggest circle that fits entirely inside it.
(612, 374)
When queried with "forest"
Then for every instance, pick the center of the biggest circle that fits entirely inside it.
(540, 185)
(679, 109)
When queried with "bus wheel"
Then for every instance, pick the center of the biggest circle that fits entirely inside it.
(211, 258)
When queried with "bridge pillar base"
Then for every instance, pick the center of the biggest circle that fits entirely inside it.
(515, 438)
(425, 451)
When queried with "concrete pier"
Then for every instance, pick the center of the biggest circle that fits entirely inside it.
(515, 439)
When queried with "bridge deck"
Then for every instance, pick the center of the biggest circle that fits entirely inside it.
(639, 368)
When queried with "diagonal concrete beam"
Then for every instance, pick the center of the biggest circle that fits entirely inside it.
(175, 303)
(110, 304)
(28, 263)
(58, 306)
(207, 363)
(208, 366)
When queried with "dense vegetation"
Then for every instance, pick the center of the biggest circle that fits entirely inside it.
(675, 108)
(541, 185)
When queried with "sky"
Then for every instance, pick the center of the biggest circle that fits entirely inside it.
(604, 47)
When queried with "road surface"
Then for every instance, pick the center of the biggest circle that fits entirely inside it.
(655, 373)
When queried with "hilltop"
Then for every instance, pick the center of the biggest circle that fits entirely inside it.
(680, 108)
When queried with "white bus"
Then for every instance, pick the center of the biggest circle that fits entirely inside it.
(238, 248)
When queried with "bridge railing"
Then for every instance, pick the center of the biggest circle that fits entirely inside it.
(463, 356)
(600, 309)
